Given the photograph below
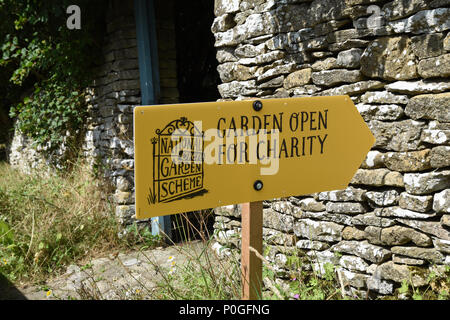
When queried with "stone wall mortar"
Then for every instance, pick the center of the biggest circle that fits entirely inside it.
(395, 213)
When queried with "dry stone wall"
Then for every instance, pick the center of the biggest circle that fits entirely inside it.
(393, 59)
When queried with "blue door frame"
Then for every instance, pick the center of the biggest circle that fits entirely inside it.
(149, 77)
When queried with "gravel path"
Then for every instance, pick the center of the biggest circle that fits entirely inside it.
(124, 276)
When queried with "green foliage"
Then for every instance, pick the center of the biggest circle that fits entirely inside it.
(52, 112)
(48, 66)
(141, 237)
(437, 287)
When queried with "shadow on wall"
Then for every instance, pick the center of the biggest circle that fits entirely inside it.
(8, 291)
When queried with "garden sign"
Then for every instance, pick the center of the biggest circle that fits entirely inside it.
(205, 155)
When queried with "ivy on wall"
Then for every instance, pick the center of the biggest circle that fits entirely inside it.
(47, 65)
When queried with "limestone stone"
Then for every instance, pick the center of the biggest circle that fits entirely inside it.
(435, 136)
(286, 207)
(346, 207)
(382, 198)
(383, 97)
(225, 6)
(257, 24)
(377, 178)
(415, 203)
(336, 76)
(436, 67)
(344, 35)
(348, 194)
(446, 42)
(353, 89)
(263, 58)
(385, 112)
(272, 83)
(275, 220)
(399, 273)
(123, 184)
(445, 220)
(429, 227)
(276, 71)
(297, 78)
(437, 125)
(425, 21)
(250, 51)
(123, 197)
(353, 279)
(328, 216)
(428, 254)
(308, 89)
(396, 235)
(362, 249)
(380, 286)
(442, 245)
(407, 260)
(441, 201)
(276, 237)
(312, 245)
(374, 160)
(352, 233)
(408, 161)
(223, 23)
(326, 64)
(440, 157)
(389, 58)
(226, 54)
(230, 71)
(325, 256)
(426, 183)
(322, 10)
(224, 223)
(233, 210)
(329, 26)
(428, 45)
(402, 213)
(310, 204)
(321, 231)
(398, 9)
(125, 214)
(348, 44)
(353, 263)
(419, 87)
(397, 136)
(349, 58)
(237, 88)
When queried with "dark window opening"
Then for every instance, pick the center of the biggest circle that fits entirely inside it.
(196, 55)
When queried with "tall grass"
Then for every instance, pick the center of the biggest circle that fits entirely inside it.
(48, 221)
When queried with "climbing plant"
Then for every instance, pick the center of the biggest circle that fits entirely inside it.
(47, 65)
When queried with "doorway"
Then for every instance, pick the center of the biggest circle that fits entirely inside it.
(188, 74)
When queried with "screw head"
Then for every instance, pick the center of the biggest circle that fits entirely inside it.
(258, 185)
(257, 105)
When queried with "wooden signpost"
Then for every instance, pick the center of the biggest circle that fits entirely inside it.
(205, 155)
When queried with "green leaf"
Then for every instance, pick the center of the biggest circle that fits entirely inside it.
(6, 234)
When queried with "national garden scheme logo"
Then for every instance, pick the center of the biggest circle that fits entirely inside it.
(177, 162)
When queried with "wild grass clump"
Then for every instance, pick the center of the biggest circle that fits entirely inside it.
(49, 221)
(202, 275)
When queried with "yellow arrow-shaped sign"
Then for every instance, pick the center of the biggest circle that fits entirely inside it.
(204, 155)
